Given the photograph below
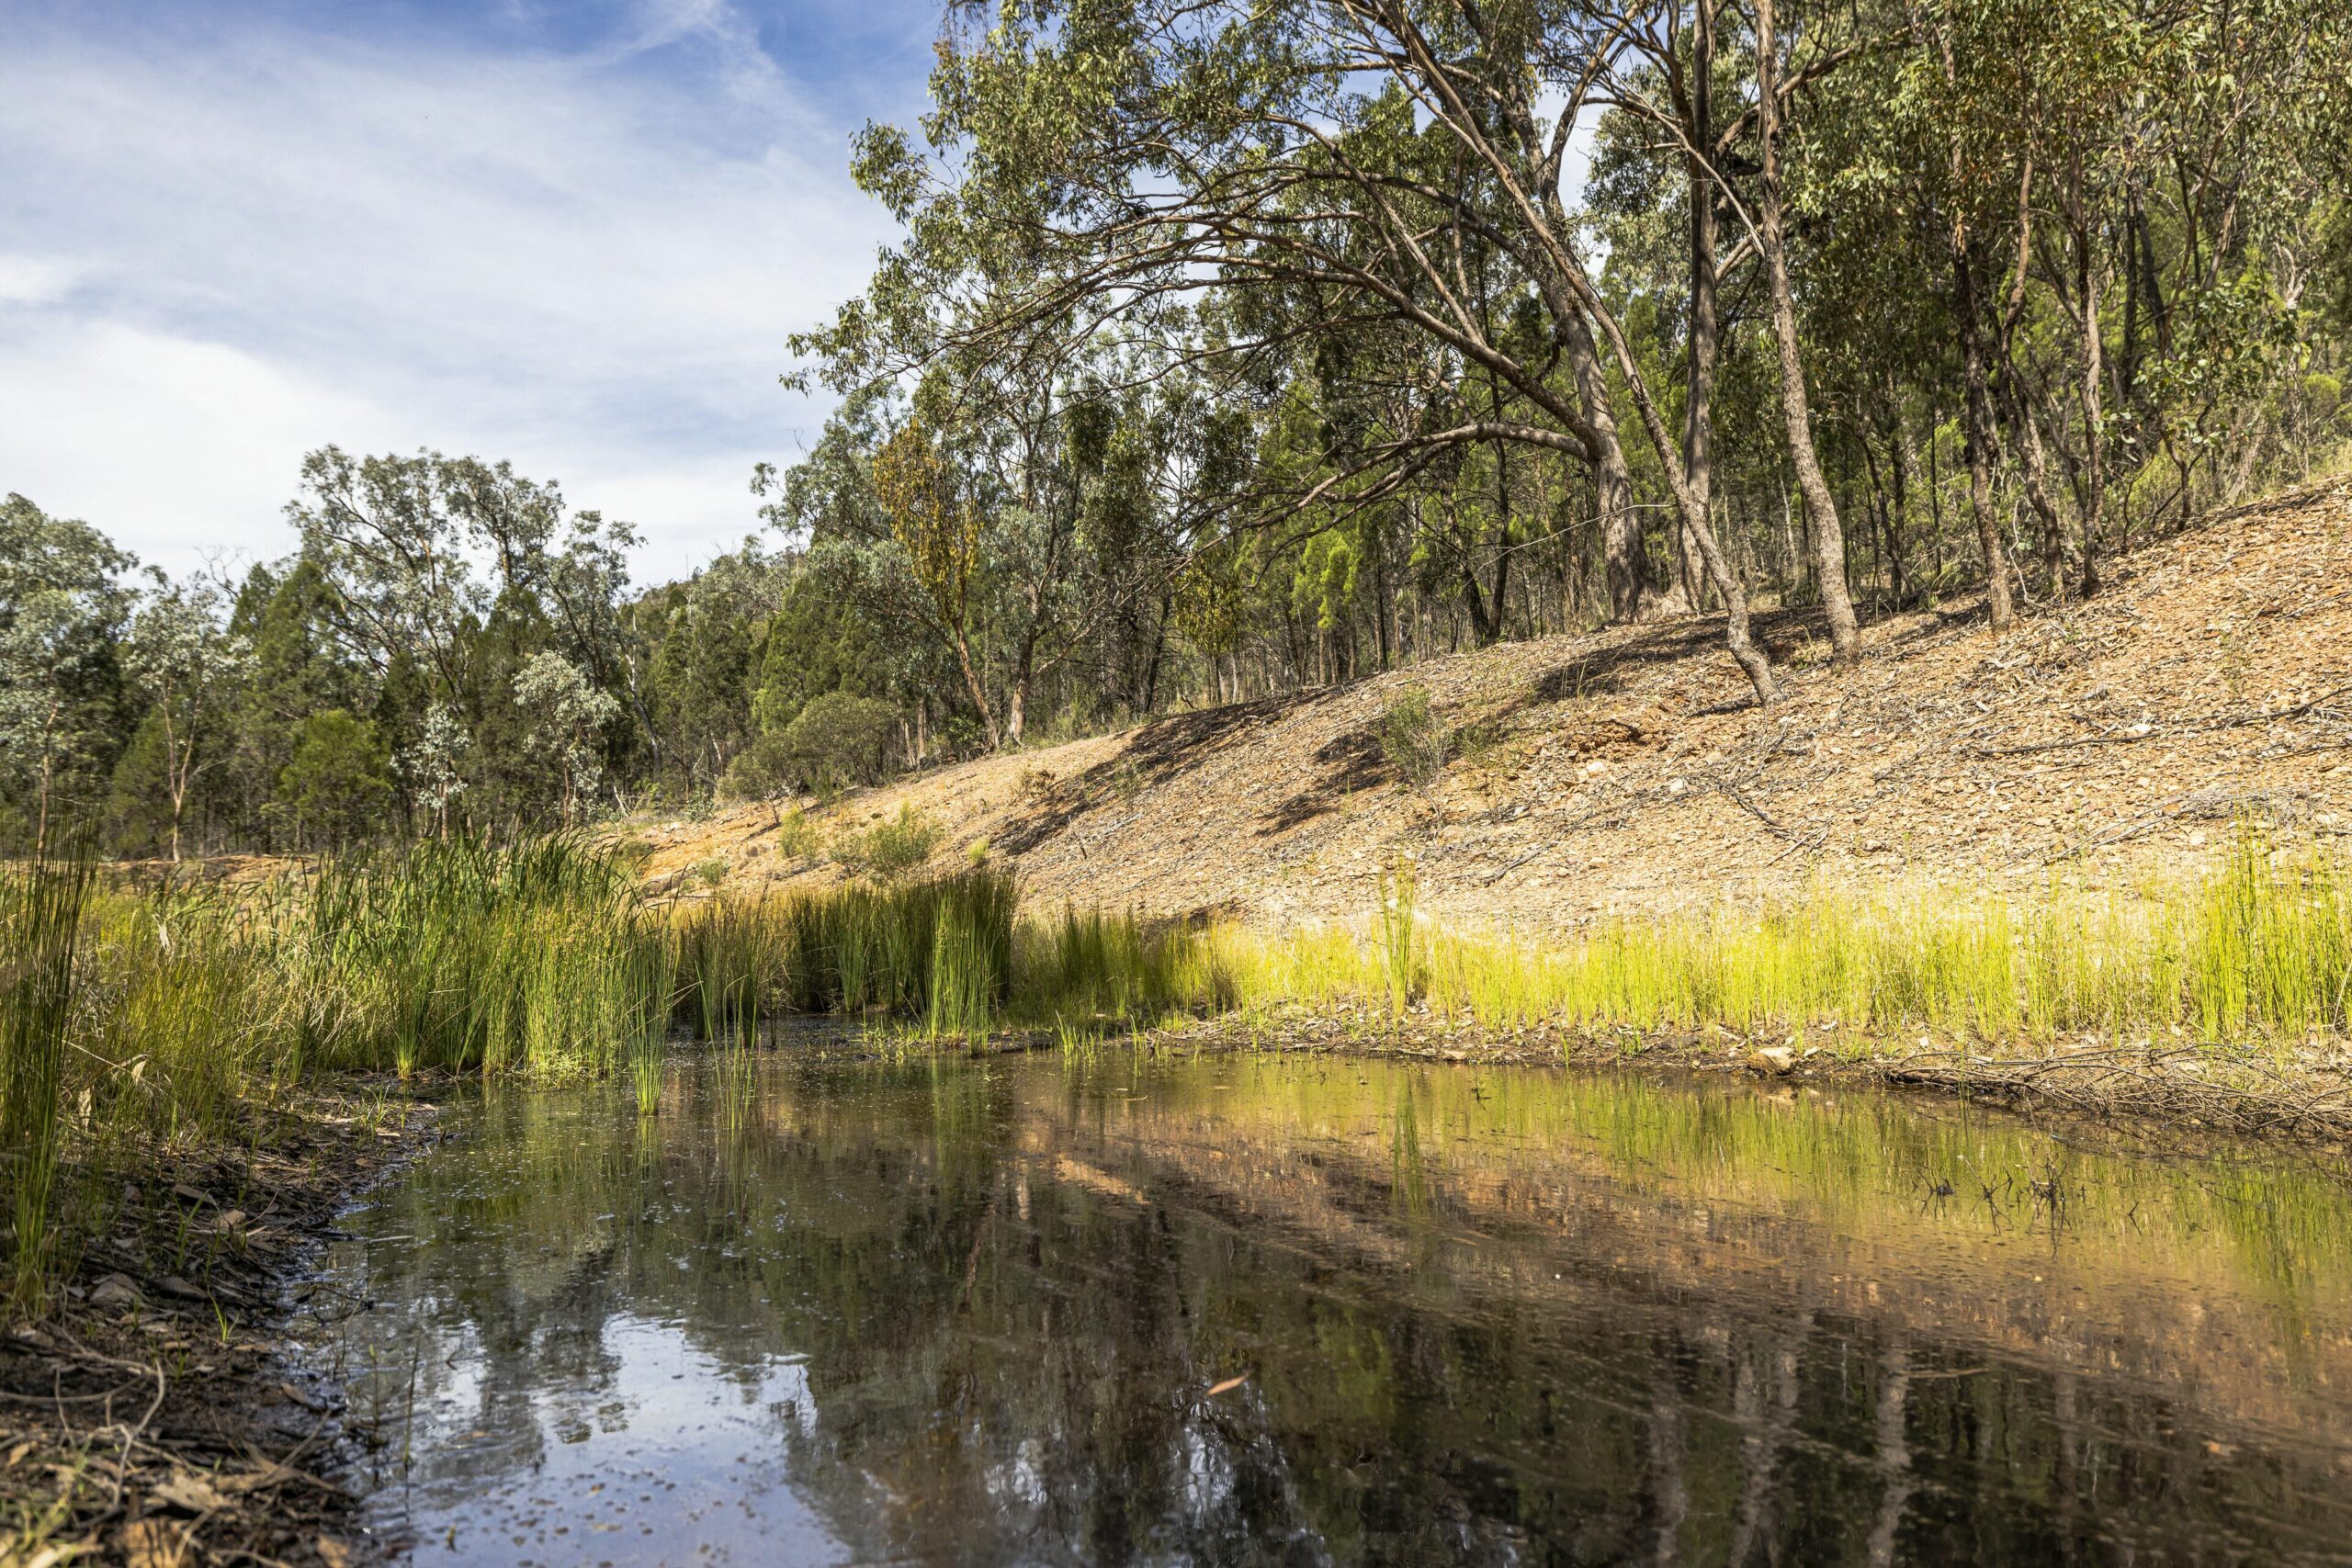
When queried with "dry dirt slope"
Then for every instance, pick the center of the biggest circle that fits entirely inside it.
(1625, 770)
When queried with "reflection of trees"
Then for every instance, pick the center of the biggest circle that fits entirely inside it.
(1012, 1289)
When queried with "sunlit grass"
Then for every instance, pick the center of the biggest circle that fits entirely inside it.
(2260, 949)
(144, 1018)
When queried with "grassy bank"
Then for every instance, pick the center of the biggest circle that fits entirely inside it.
(138, 1021)
(2259, 950)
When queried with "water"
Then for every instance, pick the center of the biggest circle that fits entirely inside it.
(1300, 1309)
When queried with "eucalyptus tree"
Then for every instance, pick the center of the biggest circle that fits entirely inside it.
(568, 713)
(1675, 80)
(61, 609)
(185, 664)
(466, 571)
(1346, 153)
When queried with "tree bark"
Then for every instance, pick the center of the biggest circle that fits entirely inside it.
(1828, 536)
(2094, 421)
(1706, 322)
(972, 684)
(1976, 423)
(1625, 560)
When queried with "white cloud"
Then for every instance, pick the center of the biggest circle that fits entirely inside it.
(177, 449)
(36, 280)
(226, 255)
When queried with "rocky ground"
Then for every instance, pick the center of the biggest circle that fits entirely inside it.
(1628, 770)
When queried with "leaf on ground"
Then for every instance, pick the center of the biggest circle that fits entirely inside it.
(189, 1493)
(154, 1543)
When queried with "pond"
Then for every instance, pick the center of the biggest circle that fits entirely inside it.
(1137, 1307)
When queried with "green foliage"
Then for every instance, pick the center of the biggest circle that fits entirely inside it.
(337, 786)
(1413, 738)
(838, 739)
(890, 848)
(41, 921)
(61, 613)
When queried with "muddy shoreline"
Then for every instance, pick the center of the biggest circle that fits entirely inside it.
(153, 1416)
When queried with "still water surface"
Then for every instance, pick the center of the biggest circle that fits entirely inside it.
(1303, 1310)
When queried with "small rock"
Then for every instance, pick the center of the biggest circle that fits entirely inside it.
(172, 1285)
(1772, 1061)
(115, 1293)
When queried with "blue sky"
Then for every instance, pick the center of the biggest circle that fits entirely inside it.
(574, 236)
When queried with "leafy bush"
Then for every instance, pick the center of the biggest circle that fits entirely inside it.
(836, 740)
(796, 836)
(762, 771)
(1411, 738)
(891, 848)
(841, 740)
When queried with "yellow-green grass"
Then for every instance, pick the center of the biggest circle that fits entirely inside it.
(138, 1019)
(2258, 949)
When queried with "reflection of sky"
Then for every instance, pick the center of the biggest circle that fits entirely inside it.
(663, 1459)
(569, 234)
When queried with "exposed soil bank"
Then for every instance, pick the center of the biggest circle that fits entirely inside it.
(148, 1417)
(1623, 772)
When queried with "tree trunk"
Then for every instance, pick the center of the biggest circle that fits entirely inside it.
(2094, 443)
(1828, 537)
(1898, 461)
(978, 693)
(1976, 423)
(1625, 560)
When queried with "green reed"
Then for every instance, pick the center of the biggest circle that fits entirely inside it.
(41, 921)
(937, 948)
(1399, 885)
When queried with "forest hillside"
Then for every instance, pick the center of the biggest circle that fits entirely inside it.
(1629, 770)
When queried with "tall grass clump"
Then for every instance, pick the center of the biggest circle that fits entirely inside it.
(468, 954)
(41, 921)
(1090, 970)
(2267, 944)
(938, 949)
(1400, 950)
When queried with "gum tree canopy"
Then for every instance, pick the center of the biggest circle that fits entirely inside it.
(1368, 197)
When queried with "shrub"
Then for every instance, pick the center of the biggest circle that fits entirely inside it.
(796, 836)
(836, 740)
(1411, 738)
(762, 771)
(841, 740)
(891, 848)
